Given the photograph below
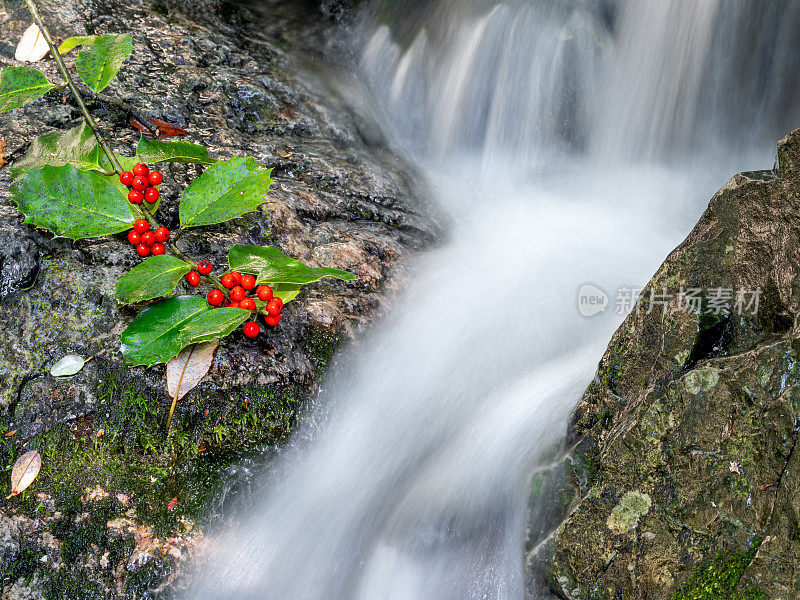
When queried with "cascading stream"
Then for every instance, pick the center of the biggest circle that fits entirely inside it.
(410, 480)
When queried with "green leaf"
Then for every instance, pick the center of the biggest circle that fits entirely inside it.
(154, 151)
(225, 191)
(157, 276)
(154, 336)
(161, 331)
(20, 85)
(77, 147)
(270, 265)
(72, 203)
(100, 62)
(286, 291)
(75, 41)
(214, 324)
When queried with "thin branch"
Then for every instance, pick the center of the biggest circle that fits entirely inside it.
(62, 68)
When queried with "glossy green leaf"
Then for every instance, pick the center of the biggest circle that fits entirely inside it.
(155, 335)
(77, 147)
(154, 151)
(75, 41)
(286, 291)
(72, 203)
(161, 331)
(100, 62)
(270, 265)
(214, 324)
(225, 191)
(20, 85)
(155, 277)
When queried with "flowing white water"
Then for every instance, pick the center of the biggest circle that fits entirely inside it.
(410, 480)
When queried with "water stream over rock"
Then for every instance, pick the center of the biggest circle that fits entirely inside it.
(571, 144)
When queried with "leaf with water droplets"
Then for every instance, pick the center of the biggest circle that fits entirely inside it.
(20, 85)
(69, 365)
(25, 471)
(32, 46)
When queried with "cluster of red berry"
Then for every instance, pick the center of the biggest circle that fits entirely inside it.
(142, 181)
(239, 286)
(147, 241)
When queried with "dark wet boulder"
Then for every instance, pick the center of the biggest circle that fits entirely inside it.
(685, 468)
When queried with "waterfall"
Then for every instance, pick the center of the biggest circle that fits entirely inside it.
(573, 143)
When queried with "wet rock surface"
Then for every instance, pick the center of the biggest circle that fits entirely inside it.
(337, 201)
(685, 471)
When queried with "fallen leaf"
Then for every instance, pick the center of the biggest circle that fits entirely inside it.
(69, 365)
(167, 129)
(32, 46)
(142, 127)
(11, 433)
(24, 472)
(186, 370)
(284, 153)
(172, 503)
(158, 128)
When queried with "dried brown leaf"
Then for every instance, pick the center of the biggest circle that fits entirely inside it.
(25, 471)
(186, 370)
(32, 46)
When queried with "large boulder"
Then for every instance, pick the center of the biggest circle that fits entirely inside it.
(685, 470)
(119, 505)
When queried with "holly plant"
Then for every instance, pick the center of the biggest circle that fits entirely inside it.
(72, 184)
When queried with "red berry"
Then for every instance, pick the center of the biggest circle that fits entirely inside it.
(205, 268)
(192, 278)
(162, 234)
(237, 293)
(142, 250)
(151, 195)
(273, 320)
(140, 183)
(126, 177)
(135, 197)
(247, 304)
(264, 293)
(141, 225)
(134, 237)
(237, 276)
(250, 329)
(248, 282)
(228, 280)
(234, 304)
(215, 297)
(155, 178)
(140, 169)
(274, 307)
(158, 248)
(148, 238)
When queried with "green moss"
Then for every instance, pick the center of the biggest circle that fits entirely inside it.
(322, 345)
(719, 579)
(123, 454)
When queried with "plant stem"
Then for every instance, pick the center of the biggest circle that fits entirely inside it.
(62, 68)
